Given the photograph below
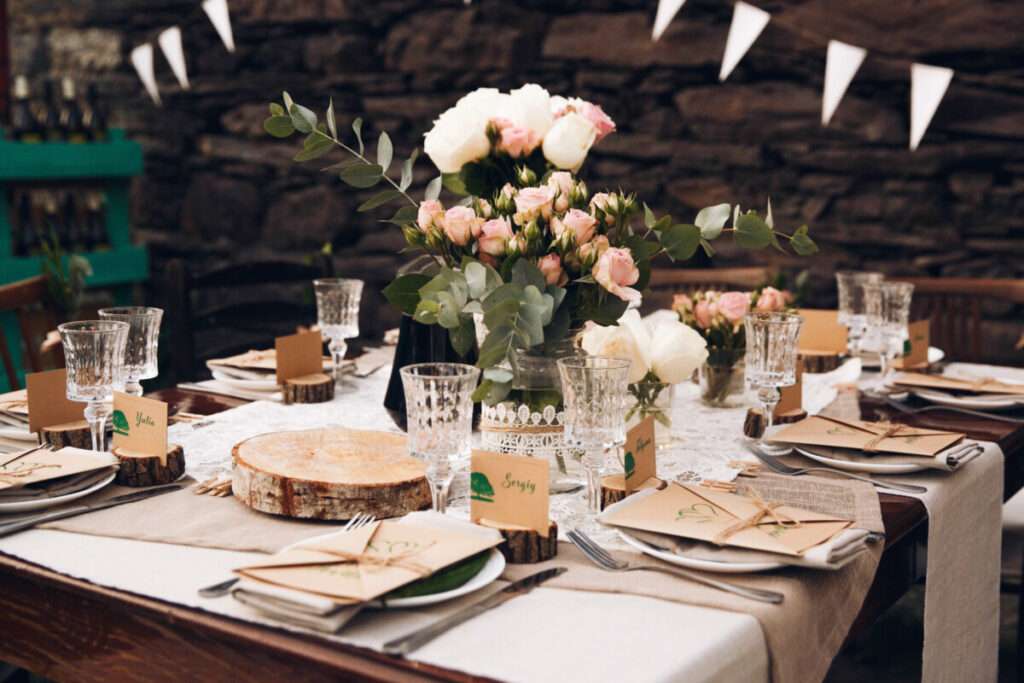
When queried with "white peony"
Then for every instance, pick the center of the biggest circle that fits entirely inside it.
(629, 340)
(567, 143)
(676, 350)
(459, 135)
(530, 107)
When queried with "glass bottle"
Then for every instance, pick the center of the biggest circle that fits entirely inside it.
(24, 124)
(70, 113)
(49, 113)
(94, 115)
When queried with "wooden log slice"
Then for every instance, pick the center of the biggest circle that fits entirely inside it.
(613, 488)
(140, 469)
(315, 388)
(789, 417)
(527, 546)
(74, 434)
(754, 424)
(329, 474)
(819, 361)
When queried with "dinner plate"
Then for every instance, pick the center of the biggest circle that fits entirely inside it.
(268, 385)
(977, 371)
(692, 563)
(973, 402)
(493, 568)
(17, 434)
(30, 505)
(870, 361)
(863, 464)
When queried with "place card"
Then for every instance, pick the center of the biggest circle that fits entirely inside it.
(48, 403)
(872, 437)
(140, 425)
(639, 460)
(915, 349)
(821, 331)
(791, 398)
(509, 489)
(724, 518)
(298, 355)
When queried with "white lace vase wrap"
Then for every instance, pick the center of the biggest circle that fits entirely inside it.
(512, 428)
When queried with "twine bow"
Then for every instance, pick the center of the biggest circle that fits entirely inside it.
(400, 560)
(890, 429)
(764, 510)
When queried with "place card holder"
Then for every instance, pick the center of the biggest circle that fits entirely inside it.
(639, 465)
(140, 443)
(58, 421)
(299, 359)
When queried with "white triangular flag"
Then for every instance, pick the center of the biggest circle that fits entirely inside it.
(928, 85)
(841, 64)
(170, 43)
(747, 23)
(142, 59)
(667, 10)
(217, 10)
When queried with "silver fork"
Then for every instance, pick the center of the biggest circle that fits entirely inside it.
(782, 468)
(603, 559)
(224, 587)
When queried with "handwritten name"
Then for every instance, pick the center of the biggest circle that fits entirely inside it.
(143, 419)
(642, 444)
(523, 485)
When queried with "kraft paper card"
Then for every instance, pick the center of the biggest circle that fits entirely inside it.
(298, 355)
(791, 398)
(15, 403)
(356, 566)
(980, 386)
(725, 519)
(509, 490)
(916, 347)
(44, 465)
(821, 331)
(639, 460)
(140, 425)
(871, 437)
(48, 402)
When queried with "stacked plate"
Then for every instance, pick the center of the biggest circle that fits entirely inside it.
(90, 472)
(974, 372)
(14, 433)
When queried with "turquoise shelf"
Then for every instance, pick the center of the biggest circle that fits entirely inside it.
(117, 158)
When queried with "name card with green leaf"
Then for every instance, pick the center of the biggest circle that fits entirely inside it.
(140, 426)
(509, 490)
(639, 460)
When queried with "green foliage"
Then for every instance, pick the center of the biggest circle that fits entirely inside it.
(404, 291)
(751, 232)
(681, 241)
(65, 277)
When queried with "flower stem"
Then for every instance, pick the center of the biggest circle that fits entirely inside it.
(366, 161)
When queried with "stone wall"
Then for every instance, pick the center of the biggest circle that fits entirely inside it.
(217, 188)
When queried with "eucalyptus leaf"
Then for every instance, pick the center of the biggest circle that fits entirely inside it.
(404, 216)
(453, 183)
(649, 218)
(315, 145)
(362, 175)
(498, 374)
(279, 126)
(332, 124)
(768, 215)
(433, 190)
(357, 128)
(404, 291)
(711, 220)
(491, 392)
(476, 278)
(752, 232)
(288, 101)
(463, 335)
(426, 312)
(379, 199)
(525, 273)
(385, 151)
(407, 170)
(303, 119)
(277, 110)
(802, 243)
(681, 241)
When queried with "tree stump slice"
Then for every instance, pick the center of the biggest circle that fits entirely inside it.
(141, 469)
(754, 424)
(819, 361)
(315, 388)
(329, 474)
(790, 417)
(76, 434)
(526, 546)
(613, 488)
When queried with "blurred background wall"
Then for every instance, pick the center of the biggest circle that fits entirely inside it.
(217, 188)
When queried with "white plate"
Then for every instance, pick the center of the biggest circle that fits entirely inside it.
(863, 465)
(935, 354)
(268, 385)
(17, 434)
(705, 565)
(979, 402)
(29, 505)
(977, 371)
(491, 570)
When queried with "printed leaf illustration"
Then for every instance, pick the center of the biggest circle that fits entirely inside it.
(630, 464)
(120, 423)
(481, 487)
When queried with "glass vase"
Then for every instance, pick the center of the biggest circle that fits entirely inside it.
(652, 399)
(722, 382)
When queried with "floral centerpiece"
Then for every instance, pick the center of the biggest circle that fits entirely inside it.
(718, 318)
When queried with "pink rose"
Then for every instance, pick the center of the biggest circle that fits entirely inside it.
(459, 224)
(581, 223)
(591, 251)
(551, 266)
(771, 300)
(518, 141)
(615, 271)
(599, 201)
(494, 236)
(703, 315)
(532, 202)
(562, 183)
(734, 305)
(593, 113)
(430, 210)
(682, 303)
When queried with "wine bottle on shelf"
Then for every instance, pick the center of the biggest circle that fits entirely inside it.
(73, 212)
(95, 221)
(52, 224)
(70, 113)
(48, 113)
(94, 115)
(22, 229)
(24, 124)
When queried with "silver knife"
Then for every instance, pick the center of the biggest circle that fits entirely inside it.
(33, 520)
(420, 637)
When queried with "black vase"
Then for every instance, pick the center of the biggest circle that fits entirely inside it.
(418, 343)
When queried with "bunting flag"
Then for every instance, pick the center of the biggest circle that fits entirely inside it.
(841, 64)
(142, 60)
(217, 10)
(667, 10)
(928, 85)
(747, 23)
(170, 43)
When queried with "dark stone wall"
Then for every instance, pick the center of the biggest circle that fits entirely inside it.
(217, 188)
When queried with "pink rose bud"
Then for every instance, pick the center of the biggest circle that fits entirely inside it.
(582, 225)
(615, 271)
(551, 267)
(459, 223)
(771, 300)
(429, 211)
(682, 302)
(734, 305)
(494, 236)
(702, 314)
(532, 202)
(517, 141)
(593, 113)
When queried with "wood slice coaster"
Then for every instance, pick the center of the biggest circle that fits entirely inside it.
(613, 488)
(526, 546)
(789, 417)
(315, 388)
(754, 423)
(819, 361)
(329, 474)
(141, 469)
(75, 434)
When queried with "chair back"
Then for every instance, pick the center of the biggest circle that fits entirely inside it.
(235, 308)
(24, 298)
(665, 283)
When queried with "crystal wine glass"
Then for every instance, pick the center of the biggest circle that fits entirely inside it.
(140, 360)
(888, 312)
(337, 308)
(771, 360)
(852, 313)
(439, 410)
(594, 391)
(94, 355)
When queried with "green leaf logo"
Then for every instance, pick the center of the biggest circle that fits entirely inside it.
(630, 464)
(120, 423)
(481, 487)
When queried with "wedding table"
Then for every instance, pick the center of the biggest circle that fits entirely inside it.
(90, 608)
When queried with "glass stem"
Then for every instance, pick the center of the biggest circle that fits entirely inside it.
(133, 387)
(592, 462)
(96, 413)
(439, 476)
(884, 368)
(338, 348)
(769, 398)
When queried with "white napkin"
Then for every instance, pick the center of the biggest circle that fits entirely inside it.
(820, 389)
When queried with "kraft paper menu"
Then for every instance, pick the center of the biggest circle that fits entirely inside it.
(509, 490)
(981, 386)
(878, 437)
(44, 465)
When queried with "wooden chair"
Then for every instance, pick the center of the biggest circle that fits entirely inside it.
(665, 283)
(24, 298)
(954, 305)
(233, 309)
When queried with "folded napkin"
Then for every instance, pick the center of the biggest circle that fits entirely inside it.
(372, 360)
(212, 386)
(52, 488)
(948, 460)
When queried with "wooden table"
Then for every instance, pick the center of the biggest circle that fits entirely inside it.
(66, 629)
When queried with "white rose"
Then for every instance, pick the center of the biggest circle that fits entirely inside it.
(629, 340)
(531, 108)
(676, 350)
(567, 143)
(459, 135)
